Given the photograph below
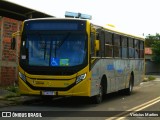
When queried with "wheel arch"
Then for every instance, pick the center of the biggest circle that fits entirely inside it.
(104, 83)
(132, 75)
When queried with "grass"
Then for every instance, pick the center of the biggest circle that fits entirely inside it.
(13, 92)
(13, 89)
(149, 78)
(11, 96)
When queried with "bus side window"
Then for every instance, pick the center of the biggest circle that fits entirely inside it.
(131, 48)
(137, 47)
(124, 43)
(117, 48)
(108, 44)
(97, 44)
(101, 39)
(141, 49)
(92, 44)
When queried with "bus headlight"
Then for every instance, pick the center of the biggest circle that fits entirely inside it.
(22, 76)
(80, 78)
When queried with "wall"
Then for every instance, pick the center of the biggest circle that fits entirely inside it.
(8, 57)
(151, 67)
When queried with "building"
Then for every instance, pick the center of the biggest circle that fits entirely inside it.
(8, 58)
(151, 67)
(11, 17)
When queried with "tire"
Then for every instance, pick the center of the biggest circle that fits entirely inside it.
(98, 98)
(129, 90)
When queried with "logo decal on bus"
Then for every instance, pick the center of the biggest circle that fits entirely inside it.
(110, 67)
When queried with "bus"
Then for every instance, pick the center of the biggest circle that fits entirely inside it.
(73, 57)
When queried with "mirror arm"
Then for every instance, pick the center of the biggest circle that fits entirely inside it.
(16, 34)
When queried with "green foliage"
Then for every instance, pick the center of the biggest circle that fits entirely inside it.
(13, 89)
(153, 41)
(11, 95)
(13, 92)
(149, 40)
(151, 78)
(156, 51)
(153, 37)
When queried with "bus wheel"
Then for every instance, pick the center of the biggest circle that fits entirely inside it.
(98, 98)
(129, 90)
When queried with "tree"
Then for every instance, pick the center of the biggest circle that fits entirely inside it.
(156, 51)
(151, 38)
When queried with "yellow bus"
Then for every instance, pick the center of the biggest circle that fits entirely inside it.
(73, 57)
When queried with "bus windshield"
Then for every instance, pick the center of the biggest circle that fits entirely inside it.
(56, 49)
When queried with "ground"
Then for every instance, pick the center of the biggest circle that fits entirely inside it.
(8, 98)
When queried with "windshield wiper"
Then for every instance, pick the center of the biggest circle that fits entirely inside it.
(59, 44)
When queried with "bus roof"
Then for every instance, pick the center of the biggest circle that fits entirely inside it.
(124, 33)
(114, 30)
(52, 18)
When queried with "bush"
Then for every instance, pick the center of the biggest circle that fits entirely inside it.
(13, 92)
(13, 89)
(151, 78)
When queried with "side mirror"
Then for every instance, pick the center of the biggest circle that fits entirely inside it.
(13, 43)
(97, 45)
(13, 40)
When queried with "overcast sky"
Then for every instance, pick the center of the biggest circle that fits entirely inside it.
(134, 16)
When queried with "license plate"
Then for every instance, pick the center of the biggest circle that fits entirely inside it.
(48, 93)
